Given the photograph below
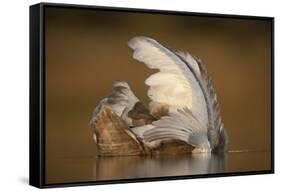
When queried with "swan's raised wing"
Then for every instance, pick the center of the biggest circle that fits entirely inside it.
(182, 81)
(176, 85)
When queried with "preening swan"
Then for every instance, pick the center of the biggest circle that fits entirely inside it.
(183, 112)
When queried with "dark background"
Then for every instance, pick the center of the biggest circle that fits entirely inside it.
(86, 50)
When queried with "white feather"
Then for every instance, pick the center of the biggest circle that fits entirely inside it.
(139, 131)
(181, 125)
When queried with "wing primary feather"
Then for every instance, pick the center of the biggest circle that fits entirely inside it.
(215, 121)
(181, 125)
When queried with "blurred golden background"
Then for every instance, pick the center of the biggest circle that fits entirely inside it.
(86, 50)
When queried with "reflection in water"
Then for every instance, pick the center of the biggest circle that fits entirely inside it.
(89, 168)
(108, 168)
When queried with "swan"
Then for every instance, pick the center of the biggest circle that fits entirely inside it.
(183, 111)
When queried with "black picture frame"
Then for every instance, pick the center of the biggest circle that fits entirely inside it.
(37, 95)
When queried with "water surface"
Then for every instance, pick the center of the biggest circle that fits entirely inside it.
(77, 169)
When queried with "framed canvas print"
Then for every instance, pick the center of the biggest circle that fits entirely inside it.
(123, 95)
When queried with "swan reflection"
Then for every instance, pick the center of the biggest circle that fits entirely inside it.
(109, 168)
